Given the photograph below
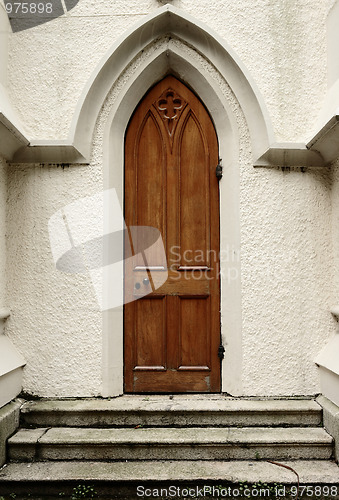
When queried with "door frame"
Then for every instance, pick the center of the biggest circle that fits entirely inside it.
(165, 58)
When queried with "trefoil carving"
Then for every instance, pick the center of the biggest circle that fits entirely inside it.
(170, 105)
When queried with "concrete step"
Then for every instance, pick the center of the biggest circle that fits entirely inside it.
(171, 411)
(121, 479)
(247, 443)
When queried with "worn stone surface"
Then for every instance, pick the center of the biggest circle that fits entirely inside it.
(169, 443)
(9, 422)
(331, 421)
(24, 444)
(162, 411)
(309, 471)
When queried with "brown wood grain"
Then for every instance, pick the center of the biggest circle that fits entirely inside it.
(172, 334)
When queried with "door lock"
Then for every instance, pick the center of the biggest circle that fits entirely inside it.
(221, 351)
(218, 170)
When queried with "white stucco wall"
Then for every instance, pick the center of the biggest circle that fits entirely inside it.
(4, 31)
(335, 228)
(286, 240)
(286, 278)
(55, 320)
(3, 199)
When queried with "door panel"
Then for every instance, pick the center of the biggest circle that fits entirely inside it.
(194, 350)
(172, 334)
(150, 335)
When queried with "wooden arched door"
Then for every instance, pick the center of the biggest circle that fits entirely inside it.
(172, 335)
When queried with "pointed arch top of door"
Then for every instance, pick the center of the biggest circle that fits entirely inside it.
(170, 21)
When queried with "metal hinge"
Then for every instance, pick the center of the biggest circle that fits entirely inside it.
(221, 351)
(218, 170)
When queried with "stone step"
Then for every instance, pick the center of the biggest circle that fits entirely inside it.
(171, 411)
(121, 479)
(247, 443)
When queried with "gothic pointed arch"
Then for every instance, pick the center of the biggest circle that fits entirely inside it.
(169, 22)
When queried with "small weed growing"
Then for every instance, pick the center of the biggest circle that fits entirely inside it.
(83, 491)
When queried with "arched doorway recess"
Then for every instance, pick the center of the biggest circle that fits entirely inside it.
(169, 42)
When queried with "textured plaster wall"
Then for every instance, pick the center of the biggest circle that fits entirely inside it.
(286, 240)
(4, 30)
(332, 43)
(3, 197)
(283, 44)
(335, 228)
(286, 278)
(55, 322)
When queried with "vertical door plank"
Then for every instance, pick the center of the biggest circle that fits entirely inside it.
(194, 200)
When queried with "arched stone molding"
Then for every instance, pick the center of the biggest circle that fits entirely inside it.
(169, 20)
(170, 55)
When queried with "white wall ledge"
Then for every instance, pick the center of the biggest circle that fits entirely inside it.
(11, 364)
(11, 139)
(290, 154)
(10, 358)
(319, 152)
(326, 141)
(328, 363)
(328, 356)
(16, 148)
(59, 153)
(49, 152)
